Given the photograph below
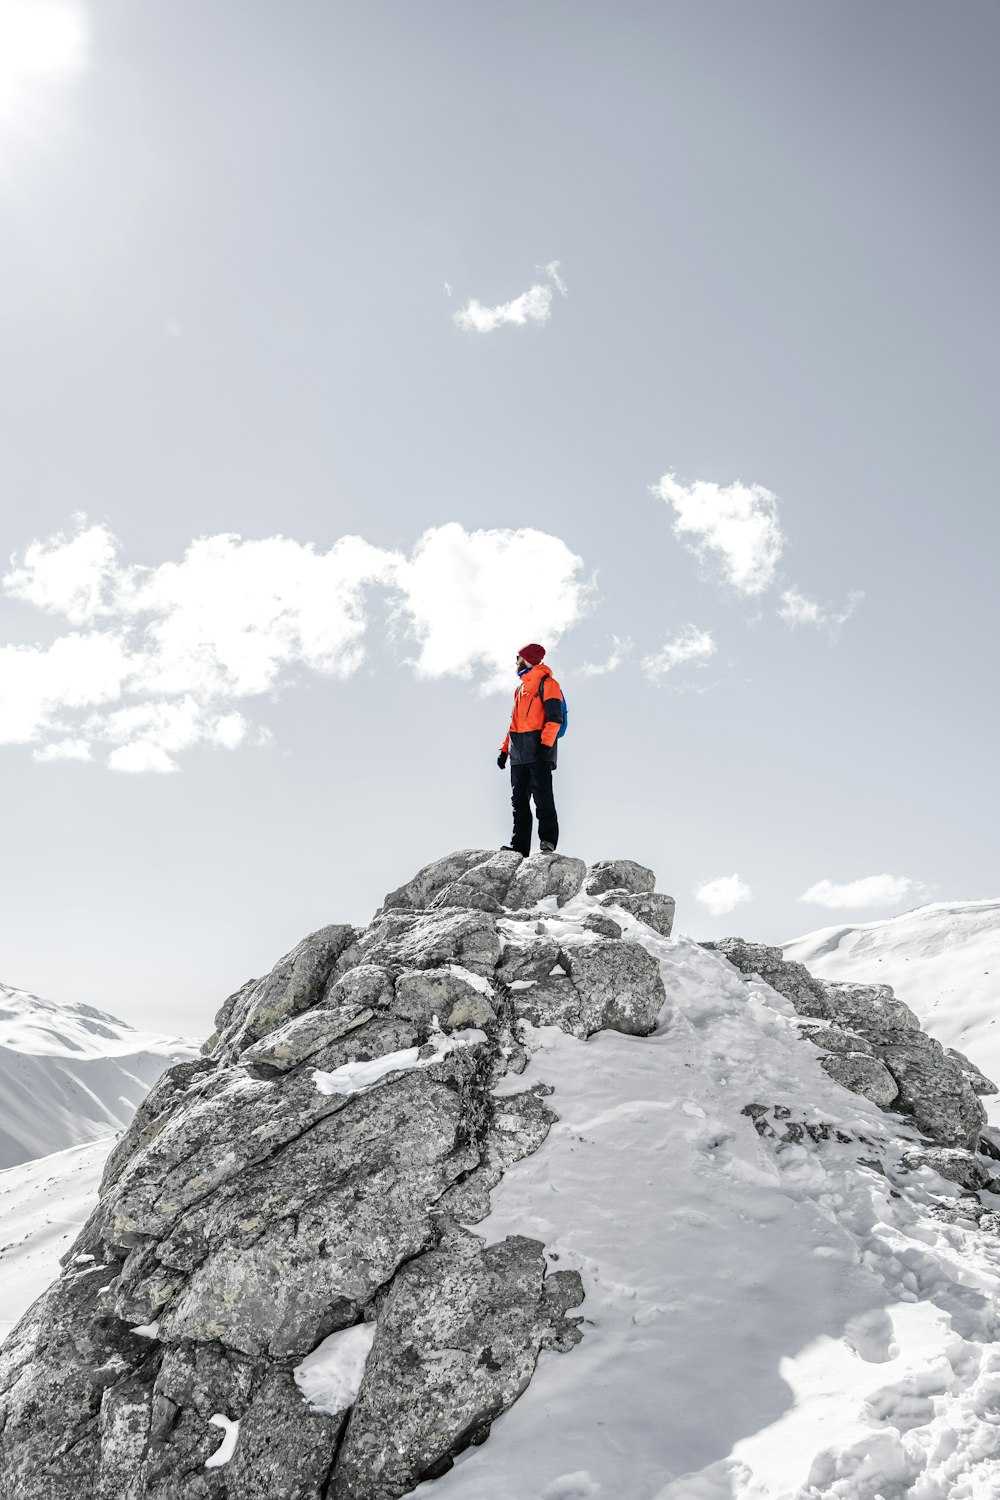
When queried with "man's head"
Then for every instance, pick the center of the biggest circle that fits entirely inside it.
(530, 655)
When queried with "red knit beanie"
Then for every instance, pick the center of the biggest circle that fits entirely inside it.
(532, 653)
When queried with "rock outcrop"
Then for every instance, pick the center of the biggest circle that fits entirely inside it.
(873, 1044)
(313, 1174)
(280, 1295)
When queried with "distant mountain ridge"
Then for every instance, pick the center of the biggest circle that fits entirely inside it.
(942, 959)
(71, 1073)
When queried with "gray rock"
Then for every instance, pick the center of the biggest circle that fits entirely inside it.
(965, 1211)
(647, 906)
(600, 925)
(366, 1182)
(518, 1124)
(608, 985)
(457, 1340)
(191, 1386)
(932, 1089)
(835, 1039)
(418, 893)
(528, 960)
(431, 940)
(545, 875)
(954, 1164)
(976, 1079)
(169, 1091)
(989, 1142)
(302, 1038)
(205, 1146)
(484, 887)
(295, 983)
(126, 1410)
(366, 986)
(619, 985)
(807, 995)
(372, 1037)
(425, 993)
(868, 1006)
(285, 1448)
(55, 1367)
(862, 1074)
(618, 875)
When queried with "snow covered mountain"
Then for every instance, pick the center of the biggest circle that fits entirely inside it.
(337, 1256)
(70, 1073)
(943, 960)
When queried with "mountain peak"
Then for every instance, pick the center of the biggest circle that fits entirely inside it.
(515, 1114)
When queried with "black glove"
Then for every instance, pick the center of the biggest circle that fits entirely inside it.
(502, 759)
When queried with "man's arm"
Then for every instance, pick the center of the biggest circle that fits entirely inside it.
(552, 698)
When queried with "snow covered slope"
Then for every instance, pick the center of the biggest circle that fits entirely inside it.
(43, 1203)
(765, 1318)
(943, 960)
(70, 1073)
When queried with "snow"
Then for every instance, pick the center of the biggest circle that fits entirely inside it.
(475, 980)
(147, 1330)
(942, 959)
(70, 1073)
(356, 1077)
(227, 1447)
(330, 1377)
(43, 1205)
(761, 1323)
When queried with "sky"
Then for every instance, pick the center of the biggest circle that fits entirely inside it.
(348, 348)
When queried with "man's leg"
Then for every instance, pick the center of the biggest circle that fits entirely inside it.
(545, 802)
(520, 797)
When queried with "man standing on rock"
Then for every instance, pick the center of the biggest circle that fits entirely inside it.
(531, 746)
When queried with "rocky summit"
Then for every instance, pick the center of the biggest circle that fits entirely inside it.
(281, 1294)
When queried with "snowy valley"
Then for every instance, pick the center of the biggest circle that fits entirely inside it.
(71, 1073)
(514, 1193)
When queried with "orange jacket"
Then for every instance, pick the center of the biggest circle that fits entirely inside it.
(536, 719)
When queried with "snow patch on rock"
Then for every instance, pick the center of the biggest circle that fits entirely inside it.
(357, 1077)
(330, 1377)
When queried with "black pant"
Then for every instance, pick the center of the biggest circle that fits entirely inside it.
(533, 780)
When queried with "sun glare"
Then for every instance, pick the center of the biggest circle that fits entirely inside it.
(39, 41)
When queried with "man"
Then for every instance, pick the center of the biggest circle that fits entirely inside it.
(531, 746)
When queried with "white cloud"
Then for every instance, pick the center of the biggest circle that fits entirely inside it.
(139, 756)
(872, 891)
(736, 525)
(64, 750)
(619, 651)
(68, 575)
(796, 609)
(169, 652)
(552, 271)
(75, 672)
(468, 596)
(723, 894)
(532, 306)
(692, 646)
